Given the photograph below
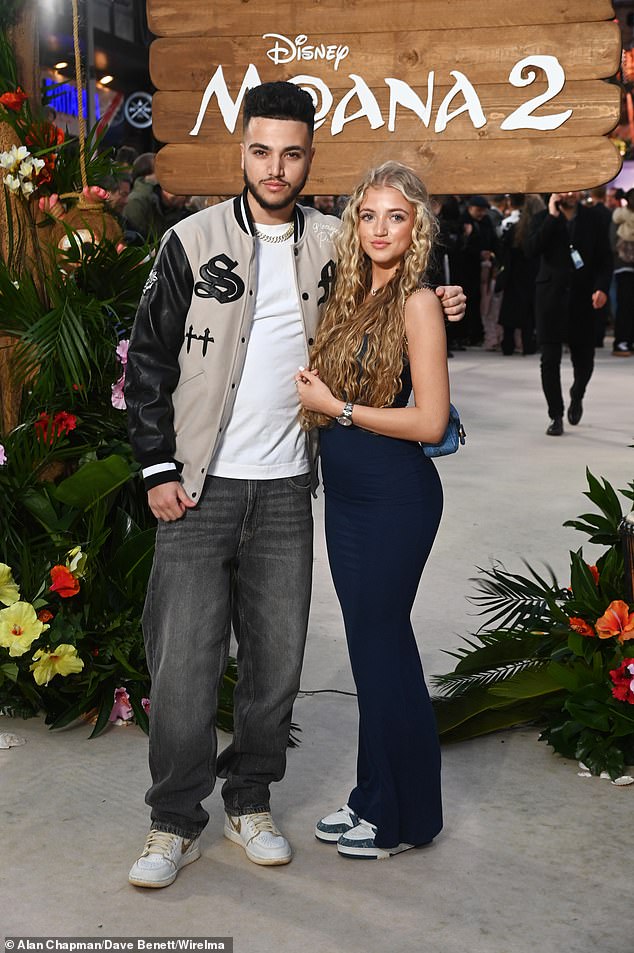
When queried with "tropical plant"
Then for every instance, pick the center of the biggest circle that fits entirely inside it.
(559, 657)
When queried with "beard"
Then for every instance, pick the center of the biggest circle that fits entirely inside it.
(274, 205)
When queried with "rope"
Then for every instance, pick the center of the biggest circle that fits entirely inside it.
(83, 203)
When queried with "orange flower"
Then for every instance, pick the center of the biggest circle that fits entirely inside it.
(581, 626)
(616, 620)
(44, 615)
(13, 101)
(63, 582)
(595, 574)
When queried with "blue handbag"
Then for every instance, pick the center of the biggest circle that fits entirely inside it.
(454, 436)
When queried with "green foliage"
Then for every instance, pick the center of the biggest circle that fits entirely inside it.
(541, 660)
(603, 529)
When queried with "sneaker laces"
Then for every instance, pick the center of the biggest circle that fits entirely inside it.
(159, 842)
(262, 823)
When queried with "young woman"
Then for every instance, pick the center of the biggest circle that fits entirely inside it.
(381, 338)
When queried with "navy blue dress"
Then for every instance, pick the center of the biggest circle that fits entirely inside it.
(383, 506)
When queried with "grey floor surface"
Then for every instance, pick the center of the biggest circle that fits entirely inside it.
(533, 857)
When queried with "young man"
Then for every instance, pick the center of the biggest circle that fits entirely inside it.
(227, 315)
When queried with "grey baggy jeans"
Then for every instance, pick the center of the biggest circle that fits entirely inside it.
(243, 553)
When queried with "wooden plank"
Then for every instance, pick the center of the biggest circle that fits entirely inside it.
(537, 165)
(291, 17)
(596, 109)
(585, 50)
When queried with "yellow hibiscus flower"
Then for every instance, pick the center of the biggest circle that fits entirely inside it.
(9, 592)
(62, 660)
(19, 627)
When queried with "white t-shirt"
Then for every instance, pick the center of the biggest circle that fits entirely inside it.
(263, 439)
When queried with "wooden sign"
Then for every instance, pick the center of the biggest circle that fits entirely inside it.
(490, 96)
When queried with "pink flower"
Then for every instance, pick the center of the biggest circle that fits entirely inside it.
(145, 702)
(3, 456)
(117, 399)
(122, 709)
(122, 351)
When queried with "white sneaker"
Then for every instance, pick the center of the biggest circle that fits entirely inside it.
(330, 828)
(359, 842)
(163, 856)
(262, 841)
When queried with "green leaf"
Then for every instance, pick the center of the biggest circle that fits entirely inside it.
(105, 708)
(529, 684)
(139, 712)
(93, 482)
(583, 585)
(572, 677)
(499, 719)
(10, 670)
(134, 557)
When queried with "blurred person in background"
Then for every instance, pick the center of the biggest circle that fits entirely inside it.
(622, 240)
(516, 276)
(573, 280)
(151, 210)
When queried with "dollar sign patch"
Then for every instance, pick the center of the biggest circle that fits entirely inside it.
(219, 280)
(327, 279)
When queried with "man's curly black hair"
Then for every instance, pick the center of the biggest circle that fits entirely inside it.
(279, 101)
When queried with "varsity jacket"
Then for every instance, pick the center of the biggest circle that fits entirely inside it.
(191, 334)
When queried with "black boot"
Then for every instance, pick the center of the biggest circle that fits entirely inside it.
(575, 411)
(556, 427)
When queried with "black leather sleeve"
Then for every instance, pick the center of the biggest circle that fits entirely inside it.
(152, 371)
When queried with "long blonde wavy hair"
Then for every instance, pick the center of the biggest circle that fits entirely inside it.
(360, 344)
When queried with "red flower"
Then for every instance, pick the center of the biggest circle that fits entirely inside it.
(581, 626)
(13, 101)
(616, 620)
(623, 678)
(63, 582)
(45, 135)
(45, 616)
(595, 574)
(62, 423)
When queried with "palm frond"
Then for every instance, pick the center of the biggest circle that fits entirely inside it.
(456, 684)
(512, 601)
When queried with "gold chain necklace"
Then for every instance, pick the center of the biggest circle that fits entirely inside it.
(275, 239)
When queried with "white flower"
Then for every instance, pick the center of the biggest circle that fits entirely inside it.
(38, 164)
(12, 159)
(26, 169)
(12, 183)
(27, 187)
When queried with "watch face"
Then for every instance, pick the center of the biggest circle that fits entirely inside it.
(344, 421)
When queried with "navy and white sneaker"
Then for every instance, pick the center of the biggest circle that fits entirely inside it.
(330, 828)
(359, 842)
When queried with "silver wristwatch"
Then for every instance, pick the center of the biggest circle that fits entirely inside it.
(345, 417)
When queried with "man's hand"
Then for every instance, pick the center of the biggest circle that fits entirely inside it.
(168, 501)
(599, 300)
(553, 204)
(453, 301)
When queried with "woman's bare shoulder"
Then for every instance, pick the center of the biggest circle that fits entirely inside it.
(422, 302)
